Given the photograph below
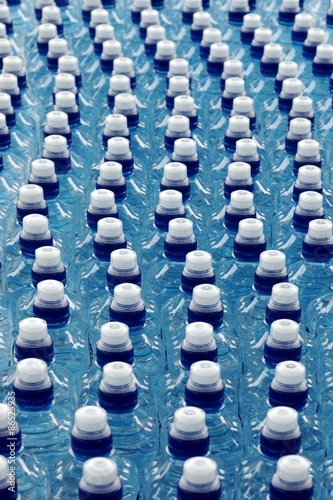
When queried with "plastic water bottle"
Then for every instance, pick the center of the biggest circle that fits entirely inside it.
(33, 341)
(199, 478)
(114, 344)
(293, 478)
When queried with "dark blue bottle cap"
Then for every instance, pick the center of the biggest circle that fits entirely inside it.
(53, 316)
(309, 51)
(10, 119)
(285, 104)
(329, 20)
(301, 221)
(150, 48)
(187, 17)
(298, 36)
(136, 16)
(175, 251)
(104, 356)
(114, 278)
(317, 252)
(132, 319)
(37, 277)
(269, 68)
(161, 65)
(230, 140)
(28, 246)
(163, 218)
(42, 47)
(257, 51)
(189, 355)
(84, 494)
(34, 350)
(232, 219)
(236, 17)
(188, 435)
(275, 448)
(322, 69)
(230, 188)
(287, 17)
(87, 448)
(106, 65)
(190, 495)
(182, 449)
(246, 36)
(103, 250)
(22, 212)
(274, 355)
(157, 4)
(62, 3)
(188, 281)
(291, 145)
(214, 318)
(276, 493)
(196, 34)
(98, 48)
(108, 3)
(38, 14)
(204, 51)
(205, 400)
(296, 400)
(264, 284)
(93, 218)
(62, 165)
(86, 14)
(5, 140)
(215, 67)
(118, 402)
(273, 314)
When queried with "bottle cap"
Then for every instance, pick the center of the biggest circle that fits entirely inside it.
(242, 104)
(91, 4)
(250, 228)
(116, 122)
(4, 467)
(184, 103)
(124, 102)
(316, 35)
(35, 224)
(205, 373)
(239, 123)
(123, 259)
(65, 99)
(170, 199)
(284, 330)
(111, 170)
(166, 48)
(309, 174)
(58, 46)
(175, 171)
(8, 81)
(99, 471)
(200, 471)
(4, 423)
(320, 229)
(193, 4)
(251, 21)
(234, 85)
(273, 51)
(5, 100)
(302, 104)
(185, 147)
(2, 121)
(282, 419)
(239, 170)
(303, 20)
(233, 67)
(50, 290)
(189, 419)
(178, 123)
(211, 35)
(272, 260)
(51, 13)
(310, 200)
(293, 468)
(123, 65)
(292, 86)
(290, 4)
(263, 35)
(241, 199)
(31, 193)
(290, 373)
(55, 143)
(5, 47)
(239, 4)
(99, 16)
(43, 167)
(284, 293)
(206, 295)
(3, 29)
(32, 329)
(114, 333)
(109, 227)
(246, 147)
(91, 419)
(179, 84)
(120, 83)
(198, 260)
(127, 294)
(180, 228)
(57, 119)
(31, 371)
(150, 16)
(111, 48)
(202, 19)
(308, 147)
(155, 32)
(68, 64)
(142, 4)
(102, 198)
(118, 146)
(65, 81)
(104, 31)
(48, 256)
(288, 69)
(117, 374)
(178, 66)
(219, 50)
(300, 126)
(324, 52)
(47, 31)
(12, 64)
(199, 333)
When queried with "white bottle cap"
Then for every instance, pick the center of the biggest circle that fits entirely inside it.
(114, 333)
(57, 119)
(309, 174)
(2, 121)
(199, 333)
(219, 50)
(124, 102)
(109, 227)
(32, 329)
(118, 146)
(65, 99)
(31, 370)
(170, 199)
(239, 170)
(155, 32)
(308, 147)
(206, 295)
(272, 260)
(104, 31)
(273, 51)
(200, 470)
(250, 228)
(300, 126)
(4, 11)
(48, 256)
(116, 122)
(205, 372)
(211, 35)
(251, 21)
(35, 224)
(51, 13)
(242, 104)
(303, 20)
(288, 69)
(91, 419)
(263, 35)
(179, 84)
(178, 66)
(284, 330)
(122, 65)
(47, 31)
(50, 290)
(8, 81)
(31, 193)
(234, 85)
(5, 47)
(55, 143)
(241, 199)
(111, 48)
(316, 35)
(150, 16)
(290, 373)
(111, 170)
(198, 260)
(310, 200)
(42, 167)
(123, 259)
(324, 52)
(193, 4)
(4, 423)
(180, 228)
(320, 229)
(179, 124)
(102, 198)
(290, 4)
(142, 4)
(58, 46)
(5, 100)
(246, 147)
(166, 48)
(293, 468)
(12, 64)
(175, 171)
(92, 4)
(120, 83)
(284, 293)
(99, 16)
(202, 19)
(3, 30)
(302, 104)
(127, 294)
(233, 67)
(189, 419)
(99, 471)
(185, 147)
(4, 467)
(292, 86)
(282, 419)
(64, 81)
(239, 123)
(68, 63)
(183, 103)
(117, 374)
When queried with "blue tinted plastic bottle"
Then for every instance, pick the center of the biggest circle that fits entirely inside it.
(199, 480)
